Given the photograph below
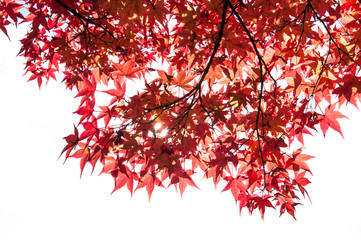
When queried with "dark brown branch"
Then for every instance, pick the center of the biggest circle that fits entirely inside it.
(260, 59)
(75, 13)
(303, 24)
(261, 64)
(85, 21)
(331, 37)
(197, 88)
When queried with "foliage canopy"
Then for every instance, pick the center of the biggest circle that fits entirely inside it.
(224, 87)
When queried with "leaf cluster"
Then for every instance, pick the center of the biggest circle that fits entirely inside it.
(224, 87)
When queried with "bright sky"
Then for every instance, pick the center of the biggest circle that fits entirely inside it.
(42, 199)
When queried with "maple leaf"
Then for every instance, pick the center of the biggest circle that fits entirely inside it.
(183, 179)
(72, 141)
(84, 155)
(119, 91)
(127, 70)
(90, 130)
(122, 180)
(287, 205)
(302, 182)
(149, 180)
(243, 200)
(86, 88)
(85, 111)
(330, 119)
(236, 186)
(261, 203)
(107, 113)
(300, 161)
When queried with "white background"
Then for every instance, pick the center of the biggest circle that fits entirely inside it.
(42, 199)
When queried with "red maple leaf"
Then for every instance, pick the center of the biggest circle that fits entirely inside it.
(330, 119)
(72, 141)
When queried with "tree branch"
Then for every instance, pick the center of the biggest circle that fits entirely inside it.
(261, 64)
(82, 18)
